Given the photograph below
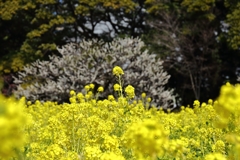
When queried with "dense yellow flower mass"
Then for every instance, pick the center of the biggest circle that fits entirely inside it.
(13, 122)
(229, 101)
(215, 156)
(147, 137)
(121, 129)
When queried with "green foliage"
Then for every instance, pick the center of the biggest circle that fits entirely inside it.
(9, 9)
(202, 6)
(32, 29)
(194, 37)
(233, 19)
(155, 6)
(198, 5)
(232, 16)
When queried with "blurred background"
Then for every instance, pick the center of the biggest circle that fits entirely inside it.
(198, 40)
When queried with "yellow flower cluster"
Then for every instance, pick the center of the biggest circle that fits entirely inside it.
(100, 89)
(13, 122)
(229, 101)
(119, 129)
(115, 128)
(228, 109)
(117, 71)
(117, 87)
(215, 156)
(130, 91)
(147, 137)
(13, 64)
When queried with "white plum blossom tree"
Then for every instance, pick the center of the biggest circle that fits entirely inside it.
(92, 62)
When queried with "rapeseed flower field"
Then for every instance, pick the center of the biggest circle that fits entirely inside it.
(120, 128)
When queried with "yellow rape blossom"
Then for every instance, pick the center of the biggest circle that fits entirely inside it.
(116, 87)
(111, 98)
(118, 129)
(92, 152)
(210, 102)
(72, 93)
(215, 156)
(196, 103)
(100, 89)
(147, 137)
(149, 99)
(91, 86)
(219, 146)
(12, 122)
(117, 71)
(111, 156)
(87, 87)
(228, 103)
(143, 95)
(130, 91)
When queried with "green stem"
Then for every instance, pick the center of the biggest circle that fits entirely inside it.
(120, 83)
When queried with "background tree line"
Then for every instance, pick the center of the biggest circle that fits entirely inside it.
(198, 40)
